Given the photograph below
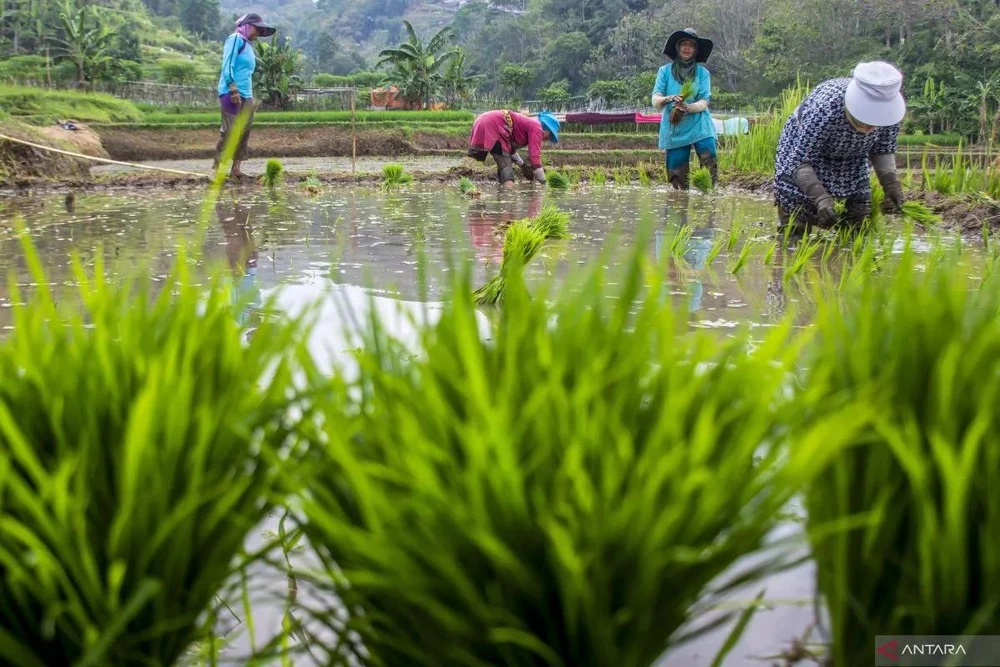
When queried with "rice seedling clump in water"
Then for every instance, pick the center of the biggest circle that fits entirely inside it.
(903, 517)
(541, 510)
(274, 173)
(134, 440)
(521, 243)
(702, 179)
(557, 180)
(551, 223)
(467, 187)
(394, 176)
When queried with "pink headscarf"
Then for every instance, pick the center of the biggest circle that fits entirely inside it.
(243, 30)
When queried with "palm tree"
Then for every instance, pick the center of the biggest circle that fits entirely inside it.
(417, 67)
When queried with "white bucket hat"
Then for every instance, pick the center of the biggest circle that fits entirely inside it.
(873, 95)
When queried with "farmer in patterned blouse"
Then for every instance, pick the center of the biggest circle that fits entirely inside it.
(826, 145)
(500, 133)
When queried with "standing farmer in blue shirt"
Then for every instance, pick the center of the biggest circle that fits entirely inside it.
(686, 122)
(236, 87)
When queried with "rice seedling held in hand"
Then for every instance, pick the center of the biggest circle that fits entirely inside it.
(394, 176)
(551, 223)
(135, 439)
(468, 188)
(702, 179)
(541, 511)
(919, 212)
(687, 90)
(521, 243)
(903, 516)
(274, 173)
(557, 180)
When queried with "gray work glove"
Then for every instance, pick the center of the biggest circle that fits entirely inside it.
(540, 175)
(885, 170)
(805, 177)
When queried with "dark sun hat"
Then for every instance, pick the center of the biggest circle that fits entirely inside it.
(263, 29)
(705, 46)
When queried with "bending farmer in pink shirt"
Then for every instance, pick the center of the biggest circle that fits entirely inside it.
(501, 133)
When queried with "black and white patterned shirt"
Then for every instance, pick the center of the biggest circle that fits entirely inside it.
(819, 134)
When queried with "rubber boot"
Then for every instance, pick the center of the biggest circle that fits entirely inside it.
(712, 162)
(679, 177)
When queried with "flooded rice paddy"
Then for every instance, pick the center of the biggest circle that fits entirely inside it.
(365, 248)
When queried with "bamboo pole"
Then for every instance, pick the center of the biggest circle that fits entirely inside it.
(354, 136)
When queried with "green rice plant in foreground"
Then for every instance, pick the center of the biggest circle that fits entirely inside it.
(394, 176)
(274, 173)
(597, 176)
(903, 517)
(644, 178)
(572, 488)
(521, 243)
(557, 180)
(702, 179)
(133, 440)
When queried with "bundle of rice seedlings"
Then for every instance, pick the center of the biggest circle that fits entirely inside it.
(597, 176)
(551, 223)
(687, 90)
(521, 243)
(702, 179)
(571, 483)
(468, 188)
(394, 176)
(312, 184)
(135, 431)
(557, 180)
(903, 516)
(274, 173)
(919, 212)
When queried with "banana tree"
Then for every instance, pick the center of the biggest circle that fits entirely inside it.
(276, 75)
(417, 69)
(458, 84)
(83, 41)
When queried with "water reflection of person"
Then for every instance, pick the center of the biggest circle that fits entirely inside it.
(675, 217)
(234, 219)
(486, 220)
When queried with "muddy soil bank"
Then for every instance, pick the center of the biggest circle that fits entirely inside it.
(22, 165)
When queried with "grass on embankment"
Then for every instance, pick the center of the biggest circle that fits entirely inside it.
(39, 106)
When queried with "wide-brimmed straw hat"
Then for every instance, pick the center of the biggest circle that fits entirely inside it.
(263, 29)
(705, 45)
(873, 96)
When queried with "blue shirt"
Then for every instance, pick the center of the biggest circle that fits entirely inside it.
(238, 64)
(693, 127)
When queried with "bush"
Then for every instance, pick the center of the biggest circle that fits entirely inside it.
(23, 68)
(358, 79)
(134, 432)
(571, 481)
(45, 106)
(179, 72)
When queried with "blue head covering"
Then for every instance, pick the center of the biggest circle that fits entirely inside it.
(550, 123)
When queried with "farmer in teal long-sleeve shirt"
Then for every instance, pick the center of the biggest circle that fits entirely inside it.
(686, 122)
(236, 87)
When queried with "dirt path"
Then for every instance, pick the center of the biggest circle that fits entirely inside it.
(299, 165)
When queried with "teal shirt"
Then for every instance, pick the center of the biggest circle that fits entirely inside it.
(693, 127)
(237, 66)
